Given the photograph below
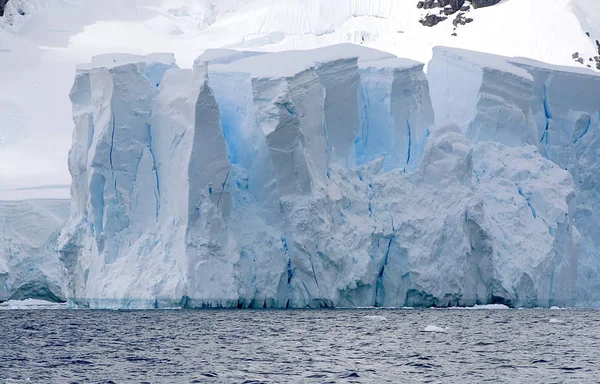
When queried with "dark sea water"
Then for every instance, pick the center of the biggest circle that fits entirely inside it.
(325, 346)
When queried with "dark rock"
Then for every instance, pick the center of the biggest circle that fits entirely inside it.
(454, 34)
(597, 59)
(431, 20)
(461, 19)
(580, 60)
(465, 8)
(2, 6)
(598, 65)
(575, 56)
(448, 11)
(453, 5)
(598, 46)
(483, 3)
(589, 66)
(588, 34)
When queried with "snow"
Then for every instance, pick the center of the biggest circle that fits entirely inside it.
(31, 304)
(435, 328)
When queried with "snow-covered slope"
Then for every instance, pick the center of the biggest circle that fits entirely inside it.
(43, 40)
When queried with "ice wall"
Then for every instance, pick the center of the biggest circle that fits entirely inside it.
(29, 263)
(395, 116)
(301, 179)
(563, 103)
(485, 95)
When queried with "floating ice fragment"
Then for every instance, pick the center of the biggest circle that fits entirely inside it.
(434, 328)
(375, 318)
(491, 306)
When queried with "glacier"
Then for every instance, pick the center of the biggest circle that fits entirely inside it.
(29, 263)
(313, 179)
(555, 108)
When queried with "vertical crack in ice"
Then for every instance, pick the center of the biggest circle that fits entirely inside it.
(584, 131)
(551, 290)
(223, 187)
(154, 171)
(110, 154)
(379, 284)
(112, 141)
(409, 143)
(312, 265)
(527, 200)
(547, 113)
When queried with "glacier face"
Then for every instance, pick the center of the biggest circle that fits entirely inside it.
(563, 107)
(29, 263)
(307, 179)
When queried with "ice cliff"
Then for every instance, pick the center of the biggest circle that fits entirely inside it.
(309, 179)
(517, 101)
(29, 263)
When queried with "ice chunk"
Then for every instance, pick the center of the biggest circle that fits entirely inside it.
(375, 318)
(435, 328)
(29, 264)
(491, 306)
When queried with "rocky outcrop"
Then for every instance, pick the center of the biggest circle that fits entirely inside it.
(432, 19)
(450, 7)
(2, 5)
(484, 3)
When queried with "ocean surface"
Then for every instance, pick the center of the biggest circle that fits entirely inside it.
(297, 346)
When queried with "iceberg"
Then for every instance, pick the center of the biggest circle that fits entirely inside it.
(29, 264)
(303, 179)
(563, 107)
